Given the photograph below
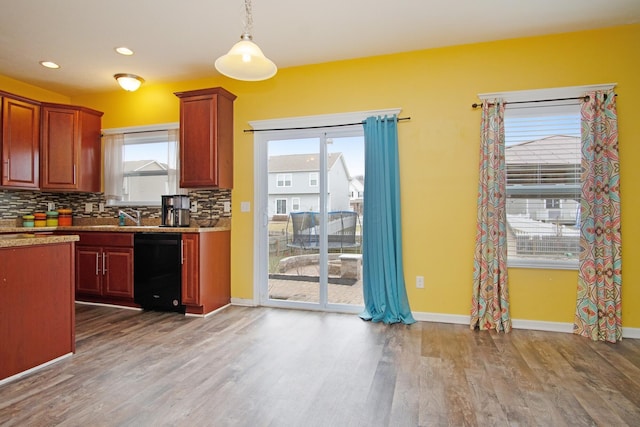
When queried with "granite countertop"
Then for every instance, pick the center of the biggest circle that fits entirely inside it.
(31, 239)
(224, 224)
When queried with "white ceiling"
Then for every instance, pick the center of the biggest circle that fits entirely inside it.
(179, 40)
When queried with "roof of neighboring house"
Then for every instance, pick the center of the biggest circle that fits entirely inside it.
(144, 165)
(300, 162)
(357, 182)
(557, 149)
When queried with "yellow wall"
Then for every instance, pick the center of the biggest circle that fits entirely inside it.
(438, 149)
(29, 91)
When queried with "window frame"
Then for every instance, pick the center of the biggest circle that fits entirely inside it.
(295, 201)
(313, 176)
(286, 207)
(538, 95)
(284, 180)
(148, 138)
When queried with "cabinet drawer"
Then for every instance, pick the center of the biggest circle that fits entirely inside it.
(106, 239)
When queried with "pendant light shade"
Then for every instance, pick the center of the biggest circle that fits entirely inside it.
(245, 60)
(128, 82)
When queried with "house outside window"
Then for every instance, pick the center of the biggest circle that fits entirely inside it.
(283, 180)
(143, 167)
(281, 207)
(542, 155)
(295, 204)
(313, 179)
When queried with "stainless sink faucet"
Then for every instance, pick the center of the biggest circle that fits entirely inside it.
(136, 220)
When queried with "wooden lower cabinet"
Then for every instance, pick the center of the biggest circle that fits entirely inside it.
(37, 319)
(206, 271)
(104, 267)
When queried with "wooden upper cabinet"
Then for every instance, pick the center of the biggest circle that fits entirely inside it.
(20, 143)
(71, 148)
(206, 138)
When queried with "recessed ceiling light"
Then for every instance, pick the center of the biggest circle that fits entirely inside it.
(124, 51)
(49, 64)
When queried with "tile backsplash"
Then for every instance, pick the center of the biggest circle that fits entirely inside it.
(15, 203)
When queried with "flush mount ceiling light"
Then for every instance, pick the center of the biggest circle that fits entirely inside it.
(129, 82)
(245, 60)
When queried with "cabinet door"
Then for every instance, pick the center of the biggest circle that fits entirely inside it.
(117, 272)
(198, 154)
(20, 143)
(206, 138)
(59, 148)
(88, 270)
(190, 270)
(90, 167)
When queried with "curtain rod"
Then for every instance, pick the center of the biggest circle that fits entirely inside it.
(135, 131)
(581, 98)
(315, 127)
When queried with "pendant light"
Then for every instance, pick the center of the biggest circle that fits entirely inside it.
(245, 60)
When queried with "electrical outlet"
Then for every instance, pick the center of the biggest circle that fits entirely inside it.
(51, 206)
(245, 206)
(100, 207)
(88, 207)
(194, 206)
(420, 282)
(227, 207)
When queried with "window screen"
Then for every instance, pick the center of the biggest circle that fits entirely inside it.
(542, 155)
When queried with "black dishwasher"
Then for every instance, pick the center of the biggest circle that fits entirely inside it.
(157, 266)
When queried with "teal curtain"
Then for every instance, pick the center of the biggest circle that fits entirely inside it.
(385, 294)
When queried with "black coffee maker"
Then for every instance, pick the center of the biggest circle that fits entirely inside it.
(176, 211)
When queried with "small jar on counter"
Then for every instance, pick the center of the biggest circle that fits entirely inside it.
(64, 217)
(40, 219)
(28, 221)
(52, 219)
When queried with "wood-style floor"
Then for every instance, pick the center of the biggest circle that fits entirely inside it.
(273, 367)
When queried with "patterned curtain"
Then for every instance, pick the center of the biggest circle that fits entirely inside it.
(490, 300)
(598, 311)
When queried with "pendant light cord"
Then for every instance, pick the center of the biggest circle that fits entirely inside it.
(248, 22)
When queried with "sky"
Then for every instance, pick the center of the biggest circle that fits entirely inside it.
(352, 148)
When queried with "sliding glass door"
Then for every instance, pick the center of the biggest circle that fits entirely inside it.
(310, 219)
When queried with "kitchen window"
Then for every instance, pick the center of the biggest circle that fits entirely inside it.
(141, 166)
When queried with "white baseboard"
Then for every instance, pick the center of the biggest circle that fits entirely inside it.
(243, 302)
(534, 325)
(633, 333)
(211, 313)
(458, 319)
(99, 304)
(35, 368)
(540, 325)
